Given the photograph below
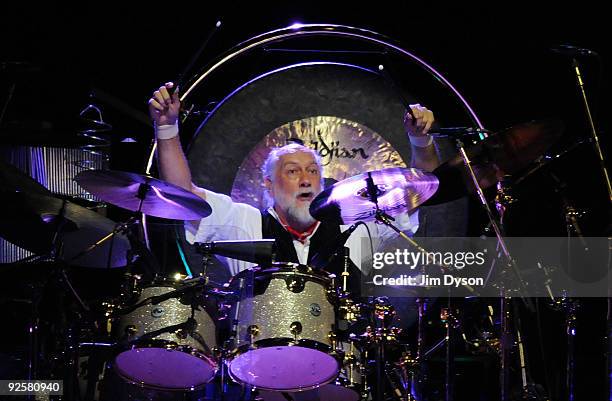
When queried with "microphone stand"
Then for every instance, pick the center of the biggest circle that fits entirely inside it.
(593, 130)
(602, 165)
(505, 301)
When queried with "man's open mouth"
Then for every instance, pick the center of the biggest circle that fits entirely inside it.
(306, 196)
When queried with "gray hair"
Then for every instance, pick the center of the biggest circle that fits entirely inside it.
(269, 166)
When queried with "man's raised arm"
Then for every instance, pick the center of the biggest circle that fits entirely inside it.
(164, 111)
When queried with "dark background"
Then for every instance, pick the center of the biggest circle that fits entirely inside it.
(498, 58)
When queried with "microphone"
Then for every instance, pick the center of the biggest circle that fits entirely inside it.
(255, 251)
(322, 258)
(573, 51)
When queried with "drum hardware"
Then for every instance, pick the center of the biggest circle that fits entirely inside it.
(189, 287)
(504, 197)
(507, 152)
(567, 305)
(472, 134)
(348, 310)
(323, 258)
(405, 370)
(145, 195)
(507, 316)
(549, 157)
(124, 229)
(394, 191)
(45, 221)
(54, 218)
(95, 130)
(450, 322)
(382, 313)
(253, 331)
(377, 196)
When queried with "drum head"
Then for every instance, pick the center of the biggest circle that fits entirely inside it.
(164, 368)
(284, 368)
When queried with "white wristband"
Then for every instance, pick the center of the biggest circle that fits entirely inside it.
(421, 141)
(166, 131)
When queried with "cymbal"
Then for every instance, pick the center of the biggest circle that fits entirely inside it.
(13, 179)
(400, 190)
(161, 199)
(503, 153)
(31, 221)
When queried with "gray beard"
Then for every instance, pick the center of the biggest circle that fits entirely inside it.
(299, 217)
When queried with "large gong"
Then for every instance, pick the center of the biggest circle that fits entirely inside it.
(344, 112)
(342, 91)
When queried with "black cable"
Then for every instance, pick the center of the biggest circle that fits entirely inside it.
(369, 236)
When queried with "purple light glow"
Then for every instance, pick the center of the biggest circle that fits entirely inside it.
(296, 25)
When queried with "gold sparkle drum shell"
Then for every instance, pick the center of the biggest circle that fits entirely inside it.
(286, 317)
(160, 351)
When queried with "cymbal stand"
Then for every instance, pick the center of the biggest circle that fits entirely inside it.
(494, 224)
(567, 305)
(382, 314)
(450, 323)
(129, 229)
(383, 218)
(120, 228)
(421, 377)
(70, 351)
(510, 317)
(406, 371)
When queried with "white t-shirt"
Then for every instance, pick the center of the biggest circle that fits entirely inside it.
(238, 221)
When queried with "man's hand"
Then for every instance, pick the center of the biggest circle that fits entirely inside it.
(163, 107)
(424, 155)
(421, 123)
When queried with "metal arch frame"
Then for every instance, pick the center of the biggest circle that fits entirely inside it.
(301, 30)
(272, 72)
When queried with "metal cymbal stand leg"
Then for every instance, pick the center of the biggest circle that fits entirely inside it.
(510, 316)
(379, 330)
(449, 369)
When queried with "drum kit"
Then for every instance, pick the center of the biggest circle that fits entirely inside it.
(294, 332)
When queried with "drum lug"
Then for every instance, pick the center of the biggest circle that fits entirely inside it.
(253, 331)
(130, 330)
(181, 334)
(296, 329)
(295, 284)
(333, 340)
